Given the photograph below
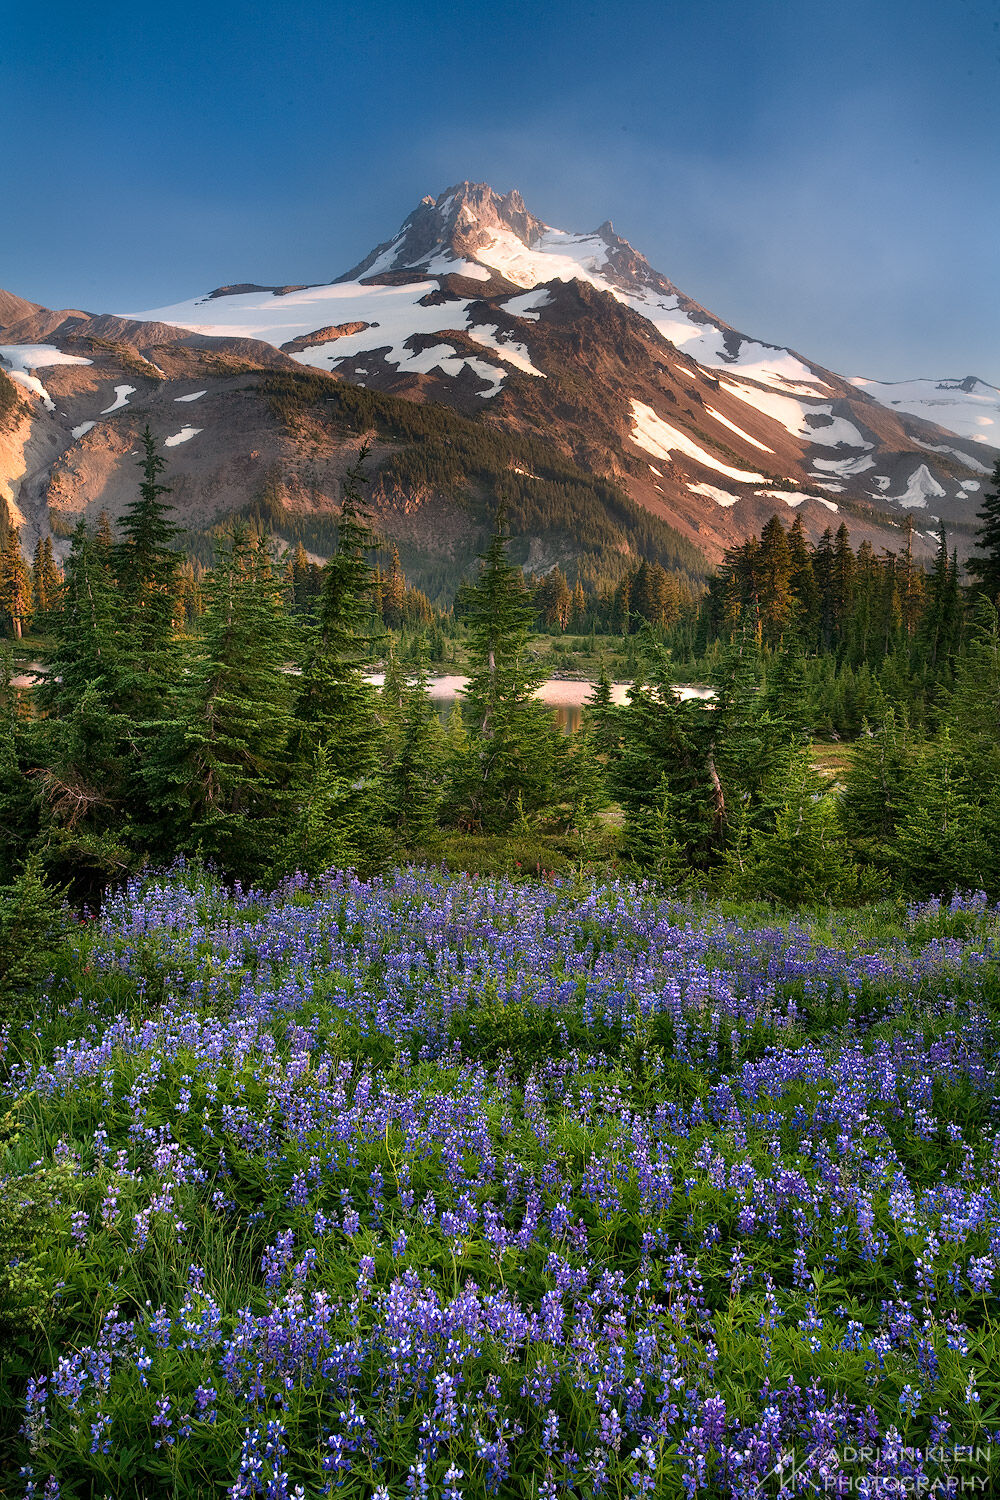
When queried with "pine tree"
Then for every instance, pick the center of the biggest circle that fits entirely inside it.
(748, 746)
(18, 757)
(393, 593)
(803, 583)
(146, 565)
(45, 578)
(578, 607)
(939, 846)
(823, 570)
(586, 784)
(939, 627)
(985, 562)
(336, 710)
(842, 581)
(414, 784)
(216, 768)
(87, 754)
(86, 629)
(774, 564)
(663, 746)
(800, 855)
(15, 582)
(511, 733)
(877, 784)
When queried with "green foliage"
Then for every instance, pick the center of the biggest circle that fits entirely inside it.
(10, 400)
(520, 1035)
(217, 764)
(508, 765)
(985, 562)
(335, 709)
(29, 1220)
(33, 932)
(801, 857)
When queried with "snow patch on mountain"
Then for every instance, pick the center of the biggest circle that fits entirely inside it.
(964, 458)
(921, 487)
(845, 467)
(122, 393)
(19, 361)
(446, 359)
(969, 407)
(528, 304)
(661, 440)
(835, 432)
(194, 396)
(514, 354)
(792, 498)
(738, 430)
(184, 436)
(721, 497)
(82, 430)
(557, 256)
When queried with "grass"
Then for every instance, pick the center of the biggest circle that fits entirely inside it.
(499, 1188)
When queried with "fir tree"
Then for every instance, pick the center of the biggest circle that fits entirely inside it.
(15, 583)
(146, 565)
(336, 709)
(85, 626)
(882, 768)
(774, 570)
(939, 845)
(985, 561)
(216, 767)
(18, 757)
(511, 733)
(45, 577)
(414, 783)
(802, 579)
(800, 855)
(664, 746)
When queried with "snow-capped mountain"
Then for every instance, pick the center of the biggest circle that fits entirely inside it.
(572, 340)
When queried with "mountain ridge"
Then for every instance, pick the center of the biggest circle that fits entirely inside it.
(478, 305)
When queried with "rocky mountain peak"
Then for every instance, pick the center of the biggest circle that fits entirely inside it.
(453, 225)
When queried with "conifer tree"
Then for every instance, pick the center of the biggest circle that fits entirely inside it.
(799, 855)
(578, 607)
(985, 562)
(146, 565)
(216, 768)
(511, 733)
(774, 572)
(939, 627)
(664, 749)
(85, 627)
(336, 710)
(15, 583)
(18, 756)
(45, 578)
(414, 783)
(877, 784)
(939, 845)
(586, 784)
(803, 583)
(823, 569)
(748, 745)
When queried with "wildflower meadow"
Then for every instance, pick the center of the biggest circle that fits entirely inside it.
(447, 1186)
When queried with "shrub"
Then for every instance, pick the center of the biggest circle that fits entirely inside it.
(33, 929)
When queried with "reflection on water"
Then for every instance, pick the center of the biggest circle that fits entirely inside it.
(566, 696)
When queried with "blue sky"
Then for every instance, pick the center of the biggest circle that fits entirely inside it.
(823, 176)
